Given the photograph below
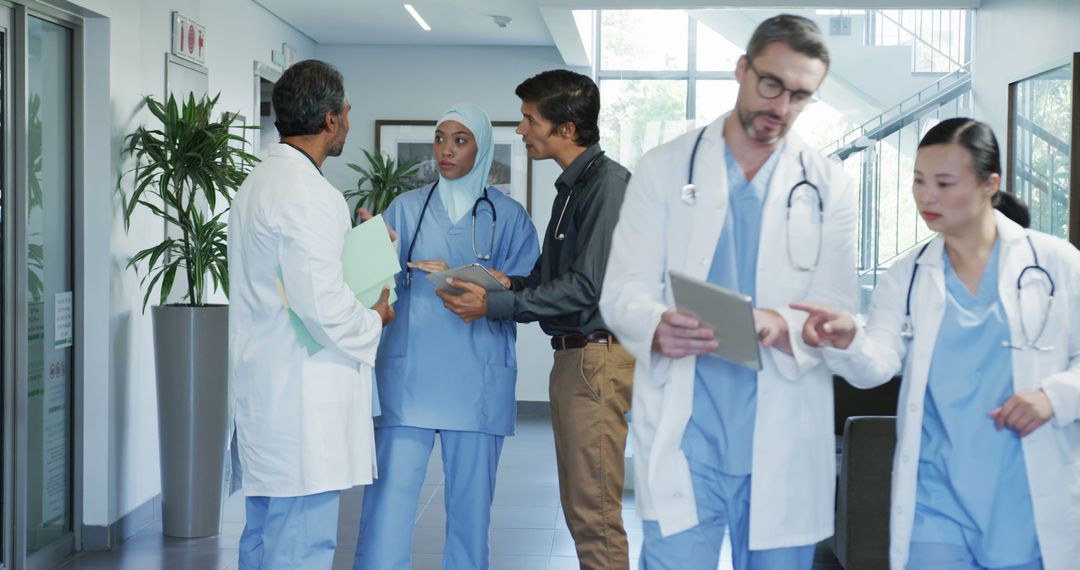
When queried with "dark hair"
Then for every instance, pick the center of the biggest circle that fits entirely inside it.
(975, 136)
(799, 33)
(303, 96)
(563, 96)
(1013, 208)
(978, 139)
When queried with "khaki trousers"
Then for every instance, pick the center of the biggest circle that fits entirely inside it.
(590, 393)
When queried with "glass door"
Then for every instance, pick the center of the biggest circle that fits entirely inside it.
(45, 312)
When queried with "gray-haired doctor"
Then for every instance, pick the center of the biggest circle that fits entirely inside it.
(717, 445)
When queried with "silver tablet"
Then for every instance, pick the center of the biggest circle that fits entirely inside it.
(729, 313)
(474, 273)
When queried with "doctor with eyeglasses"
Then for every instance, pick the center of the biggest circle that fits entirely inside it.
(745, 204)
(984, 321)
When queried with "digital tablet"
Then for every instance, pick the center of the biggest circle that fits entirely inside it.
(474, 273)
(729, 313)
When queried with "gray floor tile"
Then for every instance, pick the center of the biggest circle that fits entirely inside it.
(433, 516)
(148, 558)
(519, 563)
(565, 563)
(428, 540)
(426, 561)
(563, 544)
(521, 542)
(523, 517)
(517, 495)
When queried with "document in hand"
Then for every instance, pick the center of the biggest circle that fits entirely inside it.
(368, 263)
(730, 314)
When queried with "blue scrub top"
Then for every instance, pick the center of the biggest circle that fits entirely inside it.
(972, 485)
(720, 433)
(433, 370)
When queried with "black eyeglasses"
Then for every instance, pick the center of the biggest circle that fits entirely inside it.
(770, 87)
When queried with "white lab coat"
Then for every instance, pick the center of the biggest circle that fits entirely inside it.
(1051, 453)
(794, 454)
(303, 423)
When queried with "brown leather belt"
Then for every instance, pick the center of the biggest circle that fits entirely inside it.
(580, 340)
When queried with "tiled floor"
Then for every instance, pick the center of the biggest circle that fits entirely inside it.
(527, 530)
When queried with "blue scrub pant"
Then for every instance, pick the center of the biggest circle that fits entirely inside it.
(470, 460)
(290, 532)
(943, 556)
(722, 501)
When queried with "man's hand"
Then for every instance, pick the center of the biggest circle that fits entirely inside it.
(365, 215)
(386, 312)
(470, 305)
(501, 277)
(1024, 413)
(772, 330)
(429, 265)
(679, 335)
(826, 326)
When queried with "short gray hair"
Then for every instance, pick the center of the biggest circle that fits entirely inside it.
(303, 96)
(800, 34)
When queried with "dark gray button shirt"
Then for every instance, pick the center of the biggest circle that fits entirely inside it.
(563, 290)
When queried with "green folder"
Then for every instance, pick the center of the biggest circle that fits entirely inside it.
(369, 263)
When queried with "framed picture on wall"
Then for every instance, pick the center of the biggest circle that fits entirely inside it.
(511, 169)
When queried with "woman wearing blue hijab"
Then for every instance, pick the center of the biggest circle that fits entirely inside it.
(435, 373)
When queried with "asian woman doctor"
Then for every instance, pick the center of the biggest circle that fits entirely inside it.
(986, 473)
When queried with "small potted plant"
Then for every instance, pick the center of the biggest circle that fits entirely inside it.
(385, 178)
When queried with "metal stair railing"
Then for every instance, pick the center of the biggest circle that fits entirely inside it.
(947, 88)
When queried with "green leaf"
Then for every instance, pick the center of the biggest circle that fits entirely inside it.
(187, 166)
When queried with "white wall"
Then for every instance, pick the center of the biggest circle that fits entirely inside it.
(1015, 39)
(129, 40)
(420, 82)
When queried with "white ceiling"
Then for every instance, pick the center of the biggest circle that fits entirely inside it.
(385, 22)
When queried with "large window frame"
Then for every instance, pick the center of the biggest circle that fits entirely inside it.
(1012, 151)
(691, 75)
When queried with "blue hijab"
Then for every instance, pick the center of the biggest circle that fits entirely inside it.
(459, 195)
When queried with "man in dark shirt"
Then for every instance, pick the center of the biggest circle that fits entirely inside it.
(590, 384)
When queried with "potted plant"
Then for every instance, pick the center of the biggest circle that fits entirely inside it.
(387, 179)
(186, 171)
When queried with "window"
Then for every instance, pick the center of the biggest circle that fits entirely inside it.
(1040, 162)
(664, 72)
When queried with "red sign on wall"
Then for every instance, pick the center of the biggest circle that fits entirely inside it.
(189, 38)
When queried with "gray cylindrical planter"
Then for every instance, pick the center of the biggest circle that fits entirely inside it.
(191, 350)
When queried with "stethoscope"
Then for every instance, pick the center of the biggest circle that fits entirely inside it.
(688, 195)
(476, 208)
(907, 331)
(559, 236)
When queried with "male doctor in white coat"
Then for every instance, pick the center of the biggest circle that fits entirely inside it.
(303, 422)
(718, 445)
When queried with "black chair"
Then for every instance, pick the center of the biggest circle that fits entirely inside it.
(861, 538)
(866, 426)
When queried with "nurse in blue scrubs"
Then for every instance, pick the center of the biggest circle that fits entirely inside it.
(987, 467)
(436, 374)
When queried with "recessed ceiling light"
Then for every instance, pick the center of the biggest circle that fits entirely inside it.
(416, 16)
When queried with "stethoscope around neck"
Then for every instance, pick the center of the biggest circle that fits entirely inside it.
(475, 209)
(559, 236)
(688, 195)
(907, 330)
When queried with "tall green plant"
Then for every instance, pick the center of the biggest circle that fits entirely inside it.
(387, 179)
(183, 168)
